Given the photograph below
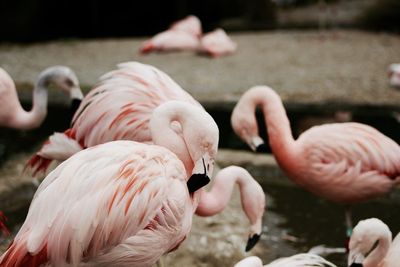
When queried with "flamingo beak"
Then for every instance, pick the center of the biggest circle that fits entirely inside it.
(252, 241)
(199, 176)
(355, 259)
(258, 145)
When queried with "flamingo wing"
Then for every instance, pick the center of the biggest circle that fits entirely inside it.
(348, 162)
(97, 200)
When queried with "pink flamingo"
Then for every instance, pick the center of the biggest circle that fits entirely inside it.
(394, 75)
(12, 114)
(343, 162)
(251, 193)
(299, 260)
(217, 43)
(182, 35)
(121, 203)
(371, 245)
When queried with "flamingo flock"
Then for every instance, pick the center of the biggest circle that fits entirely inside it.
(134, 166)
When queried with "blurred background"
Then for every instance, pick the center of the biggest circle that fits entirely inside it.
(38, 20)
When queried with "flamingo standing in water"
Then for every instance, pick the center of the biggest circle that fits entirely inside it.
(299, 260)
(121, 107)
(371, 245)
(12, 114)
(121, 203)
(182, 35)
(343, 162)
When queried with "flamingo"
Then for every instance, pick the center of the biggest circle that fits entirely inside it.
(217, 43)
(252, 197)
(344, 162)
(12, 114)
(371, 245)
(121, 203)
(182, 35)
(394, 75)
(299, 260)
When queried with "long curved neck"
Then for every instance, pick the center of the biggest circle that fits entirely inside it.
(215, 200)
(278, 126)
(378, 254)
(34, 118)
(167, 134)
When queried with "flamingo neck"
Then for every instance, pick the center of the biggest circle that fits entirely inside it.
(215, 200)
(278, 126)
(375, 258)
(33, 118)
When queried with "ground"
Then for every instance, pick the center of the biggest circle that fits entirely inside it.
(350, 66)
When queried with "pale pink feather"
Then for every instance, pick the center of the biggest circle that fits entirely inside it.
(217, 43)
(122, 203)
(299, 260)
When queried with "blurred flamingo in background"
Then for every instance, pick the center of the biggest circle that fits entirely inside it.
(299, 260)
(371, 245)
(182, 35)
(217, 43)
(343, 162)
(12, 114)
(136, 205)
(394, 75)
(251, 193)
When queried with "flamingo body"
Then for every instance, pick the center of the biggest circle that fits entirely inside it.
(343, 162)
(122, 204)
(217, 43)
(182, 35)
(394, 75)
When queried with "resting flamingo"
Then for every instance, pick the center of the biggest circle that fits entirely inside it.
(121, 203)
(344, 162)
(217, 43)
(371, 245)
(182, 35)
(394, 75)
(12, 114)
(120, 107)
(299, 260)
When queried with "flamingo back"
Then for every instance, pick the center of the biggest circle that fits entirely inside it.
(9, 102)
(136, 89)
(103, 200)
(347, 162)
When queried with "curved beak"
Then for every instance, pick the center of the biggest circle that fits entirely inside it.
(355, 259)
(252, 241)
(257, 145)
(199, 176)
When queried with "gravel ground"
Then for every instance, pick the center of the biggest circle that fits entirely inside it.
(303, 67)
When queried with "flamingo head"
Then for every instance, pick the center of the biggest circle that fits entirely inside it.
(366, 237)
(61, 77)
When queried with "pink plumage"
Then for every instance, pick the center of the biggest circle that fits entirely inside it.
(343, 162)
(182, 35)
(217, 43)
(122, 203)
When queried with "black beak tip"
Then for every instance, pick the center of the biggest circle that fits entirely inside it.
(262, 148)
(252, 241)
(356, 265)
(197, 181)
